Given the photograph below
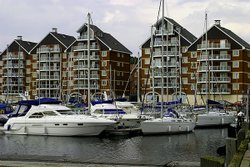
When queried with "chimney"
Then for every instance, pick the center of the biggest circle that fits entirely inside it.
(54, 30)
(19, 38)
(217, 22)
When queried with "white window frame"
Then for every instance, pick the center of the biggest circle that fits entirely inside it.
(236, 53)
(104, 73)
(236, 64)
(147, 51)
(236, 75)
(236, 86)
(104, 83)
(104, 53)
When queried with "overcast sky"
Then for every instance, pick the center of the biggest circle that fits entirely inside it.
(128, 21)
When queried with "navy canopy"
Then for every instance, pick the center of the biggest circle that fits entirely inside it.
(39, 101)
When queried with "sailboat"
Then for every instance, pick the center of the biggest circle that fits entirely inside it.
(213, 116)
(170, 122)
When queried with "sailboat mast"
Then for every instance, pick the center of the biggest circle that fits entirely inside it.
(138, 79)
(88, 31)
(153, 66)
(207, 64)
(162, 60)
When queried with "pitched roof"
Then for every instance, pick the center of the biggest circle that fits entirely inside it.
(27, 46)
(217, 32)
(106, 38)
(185, 33)
(66, 40)
(186, 36)
(235, 37)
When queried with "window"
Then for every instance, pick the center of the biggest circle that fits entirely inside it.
(104, 63)
(235, 52)
(184, 60)
(146, 71)
(118, 55)
(147, 61)
(193, 55)
(248, 64)
(184, 70)
(36, 115)
(193, 86)
(235, 64)
(118, 64)
(104, 53)
(248, 75)
(236, 75)
(193, 65)
(192, 75)
(104, 73)
(104, 82)
(184, 80)
(147, 51)
(236, 86)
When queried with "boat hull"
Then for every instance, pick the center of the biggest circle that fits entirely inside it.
(56, 130)
(161, 126)
(213, 119)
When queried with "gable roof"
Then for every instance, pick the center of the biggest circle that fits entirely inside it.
(226, 33)
(235, 37)
(184, 33)
(106, 38)
(27, 46)
(65, 40)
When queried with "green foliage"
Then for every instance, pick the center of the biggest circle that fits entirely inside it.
(133, 60)
(209, 161)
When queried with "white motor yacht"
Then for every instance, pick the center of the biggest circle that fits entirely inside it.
(54, 120)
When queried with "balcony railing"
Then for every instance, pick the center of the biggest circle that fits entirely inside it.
(85, 47)
(216, 91)
(13, 75)
(14, 65)
(49, 59)
(13, 83)
(169, 64)
(53, 77)
(167, 43)
(169, 74)
(165, 53)
(85, 57)
(11, 56)
(215, 80)
(165, 32)
(85, 37)
(214, 46)
(214, 57)
(47, 50)
(85, 86)
(214, 68)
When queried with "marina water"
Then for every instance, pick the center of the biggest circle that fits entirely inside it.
(150, 150)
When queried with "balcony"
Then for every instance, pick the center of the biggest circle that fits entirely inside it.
(85, 86)
(215, 80)
(166, 43)
(13, 92)
(215, 69)
(85, 47)
(211, 46)
(85, 37)
(13, 83)
(49, 59)
(48, 77)
(48, 50)
(85, 57)
(13, 75)
(92, 76)
(165, 53)
(11, 56)
(157, 74)
(49, 68)
(216, 57)
(170, 85)
(165, 32)
(13, 65)
(216, 91)
(169, 64)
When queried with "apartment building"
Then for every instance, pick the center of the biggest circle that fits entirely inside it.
(161, 66)
(49, 65)
(216, 66)
(109, 64)
(15, 70)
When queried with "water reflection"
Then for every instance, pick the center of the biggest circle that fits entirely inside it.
(134, 150)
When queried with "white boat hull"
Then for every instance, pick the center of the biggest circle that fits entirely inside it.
(56, 130)
(166, 126)
(214, 119)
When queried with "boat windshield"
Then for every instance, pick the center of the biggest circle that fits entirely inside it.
(66, 112)
(49, 113)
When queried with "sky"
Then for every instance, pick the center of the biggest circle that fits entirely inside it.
(129, 21)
